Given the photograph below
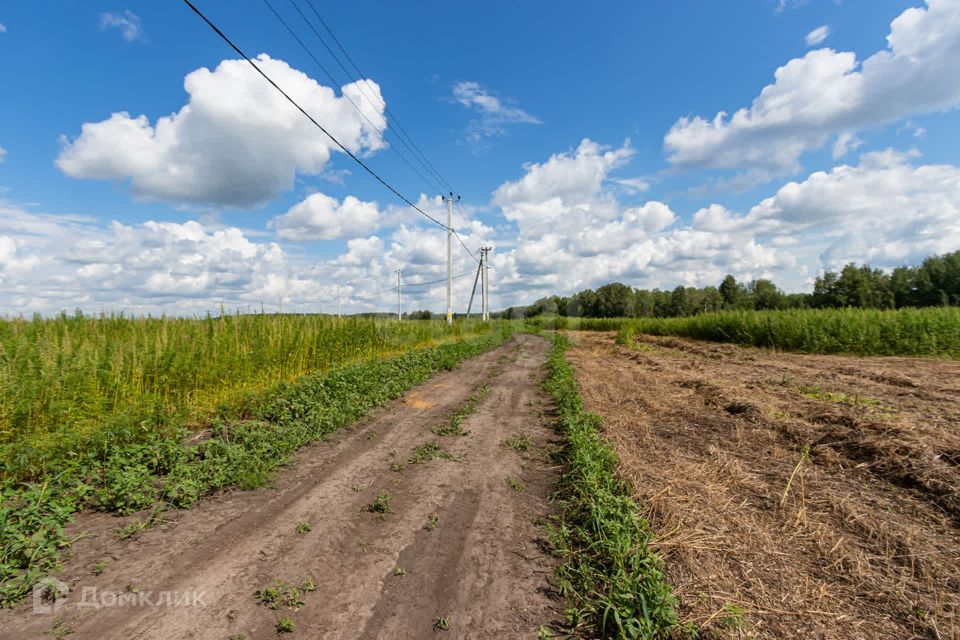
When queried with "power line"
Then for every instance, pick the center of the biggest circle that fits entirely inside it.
(335, 82)
(407, 285)
(361, 81)
(361, 78)
(309, 117)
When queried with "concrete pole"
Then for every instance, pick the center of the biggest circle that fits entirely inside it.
(486, 283)
(450, 259)
(399, 314)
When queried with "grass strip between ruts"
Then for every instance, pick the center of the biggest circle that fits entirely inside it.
(613, 581)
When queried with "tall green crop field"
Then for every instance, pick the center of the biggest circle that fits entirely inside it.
(65, 381)
(930, 331)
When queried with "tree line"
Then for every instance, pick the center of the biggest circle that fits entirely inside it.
(935, 282)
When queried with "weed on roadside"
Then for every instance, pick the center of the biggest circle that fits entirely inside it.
(99, 568)
(303, 528)
(441, 624)
(432, 522)
(514, 484)
(381, 504)
(285, 625)
(613, 580)
(132, 529)
(430, 451)
(279, 595)
(517, 442)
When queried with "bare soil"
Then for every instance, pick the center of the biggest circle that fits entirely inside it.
(458, 543)
(794, 496)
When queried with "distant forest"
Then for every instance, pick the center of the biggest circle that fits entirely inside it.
(936, 282)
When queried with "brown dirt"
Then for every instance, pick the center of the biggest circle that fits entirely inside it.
(482, 566)
(863, 542)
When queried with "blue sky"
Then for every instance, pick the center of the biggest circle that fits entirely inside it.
(145, 169)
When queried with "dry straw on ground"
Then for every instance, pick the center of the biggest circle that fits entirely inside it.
(795, 496)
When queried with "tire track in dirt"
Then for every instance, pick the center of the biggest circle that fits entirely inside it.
(482, 566)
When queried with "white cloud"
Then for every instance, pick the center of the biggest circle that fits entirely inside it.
(845, 143)
(828, 92)
(127, 22)
(320, 217)
(3, 28)
(493, 113)
(3, 154)
(817, 36)
(237, 142)
(883, 210)
(633, 185)
(49, 263)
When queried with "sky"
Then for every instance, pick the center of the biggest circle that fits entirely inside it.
(145, 167)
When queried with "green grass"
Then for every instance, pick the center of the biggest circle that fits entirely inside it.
(455, 426)
(381, 504)
(430, 451)
(517, 442)
(932, 331)
(279, 595)
(148, 468)
(613, 581)
(76, 382)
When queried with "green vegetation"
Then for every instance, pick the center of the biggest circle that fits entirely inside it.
(285, 625)
(380, 504)
(128, 466)
(278, 594)
(303, 528)
(430, 451)
(839, 397)
(517, 442)
(613, 580)
(934, 283)
(454, 428)
(515, 484)
(933, 331)
(441, 624)
(73, 383)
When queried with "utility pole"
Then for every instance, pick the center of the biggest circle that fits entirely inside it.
(485, 284)
(449, 200)
(399, 317)
(338, 301)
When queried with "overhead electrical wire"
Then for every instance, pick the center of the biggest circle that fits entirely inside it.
(360, 77)
(361, 81)
(353, 156)
(335, 82)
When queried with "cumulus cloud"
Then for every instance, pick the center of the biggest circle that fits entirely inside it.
(127, 22)
(573, 232)
(3, 28)
(493, 113)
(827, 92)
(237, 142)
(3, 154)
(886, 210)
(817, 36)
(320, 217)
(50, 262)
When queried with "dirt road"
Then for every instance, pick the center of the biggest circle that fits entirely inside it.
(794, 496)
(456, 551)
